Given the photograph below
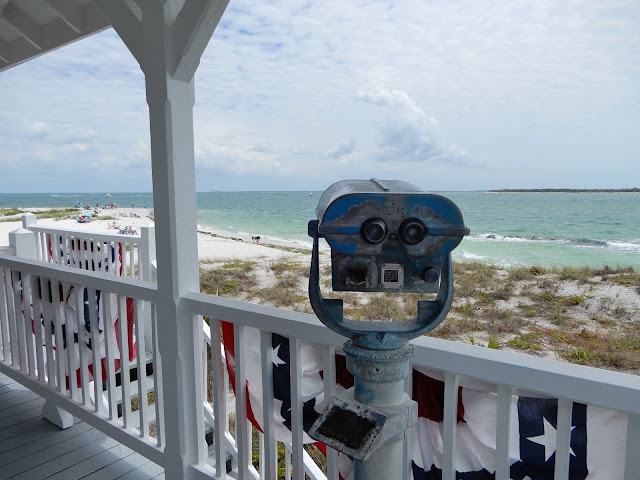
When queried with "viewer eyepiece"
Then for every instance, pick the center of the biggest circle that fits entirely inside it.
(374, 230)
(412, 231)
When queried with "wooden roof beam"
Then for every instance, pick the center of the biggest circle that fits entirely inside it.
(69, 15)
(25, 26)
(126, 20)
(5, 53)
(192, 31)
(53, 35)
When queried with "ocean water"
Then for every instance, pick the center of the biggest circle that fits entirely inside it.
(508, 229)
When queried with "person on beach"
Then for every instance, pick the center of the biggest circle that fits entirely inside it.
(256, 239)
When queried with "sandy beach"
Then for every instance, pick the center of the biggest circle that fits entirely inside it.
(210, 247)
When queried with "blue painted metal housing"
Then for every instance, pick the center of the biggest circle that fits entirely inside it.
(385, 236)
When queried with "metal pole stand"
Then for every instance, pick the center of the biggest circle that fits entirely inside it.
(385, 236)
(373, 416)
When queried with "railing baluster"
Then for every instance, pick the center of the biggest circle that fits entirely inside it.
(94, 325)
(57, 249)
(81, 254)
(65, 250)
(143, 400)
(21, 339)
(295, 352)
(75, 258)
(124, 259)
(11, 319)
(632, 459)
(244, 457)
(287, 464)
(48, 254)
(38, 246)
(450, 424)
(131, 260)
(98, 245)
(94, 264)
(86, 254)
(117, 261)
(124, 360)
(503, 426)
(82, 343)
(205, 369)
(329, 375)
(266, 351)
(109, 344)
(563, 438)
(58, 297)
(4, 321)
(37, 325)
(71, 348)
(218, 370)
(157, 378)
(27, 307)
(49, 329)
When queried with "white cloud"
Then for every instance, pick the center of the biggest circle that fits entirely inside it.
(408, 133)
(523, 90)
(344, 148)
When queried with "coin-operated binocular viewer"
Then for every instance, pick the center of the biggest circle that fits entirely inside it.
(385, 236)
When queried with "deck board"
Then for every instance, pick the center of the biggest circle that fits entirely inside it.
(31, 448)
(119, 468)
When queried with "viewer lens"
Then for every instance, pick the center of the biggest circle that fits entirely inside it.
(412, 231)
(374, 230)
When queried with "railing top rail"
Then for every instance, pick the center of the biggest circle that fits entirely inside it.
(110, 237)
(96, 280)
(594, 386)
(283, 322)
(524, 373)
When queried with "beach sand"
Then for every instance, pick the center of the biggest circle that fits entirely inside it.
(210, 247)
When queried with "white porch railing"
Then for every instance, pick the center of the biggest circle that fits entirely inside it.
(57, 324)
(99, 252)
(31, 290)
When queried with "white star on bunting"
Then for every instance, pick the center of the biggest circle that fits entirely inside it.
(548, 440)
(275, 358)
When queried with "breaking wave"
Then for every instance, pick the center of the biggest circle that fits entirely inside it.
(618, 246)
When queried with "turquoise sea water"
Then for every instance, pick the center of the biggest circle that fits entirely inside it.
(508, 229)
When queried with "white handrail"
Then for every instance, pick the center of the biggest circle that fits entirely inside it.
(121, 285)
(98, 236)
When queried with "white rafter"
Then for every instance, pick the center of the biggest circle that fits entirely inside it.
(67, 13)
(21, 23)
(192, 31)
(126, 23)
(5, 53)
(57, 33)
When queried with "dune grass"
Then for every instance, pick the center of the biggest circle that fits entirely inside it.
(520, 309)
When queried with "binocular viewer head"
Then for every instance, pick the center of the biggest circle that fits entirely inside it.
(385, 236)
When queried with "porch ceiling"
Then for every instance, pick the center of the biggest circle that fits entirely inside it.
(30, 28)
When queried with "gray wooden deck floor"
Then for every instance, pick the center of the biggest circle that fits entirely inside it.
(31, 448)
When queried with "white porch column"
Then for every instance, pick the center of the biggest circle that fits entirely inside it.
(174, 200)
(167, 38)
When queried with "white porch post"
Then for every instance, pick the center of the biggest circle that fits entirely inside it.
(174, 201)
(167, 38)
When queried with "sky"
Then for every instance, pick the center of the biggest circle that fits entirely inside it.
(296, 95)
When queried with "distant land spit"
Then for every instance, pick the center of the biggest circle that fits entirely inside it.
(566, 190)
